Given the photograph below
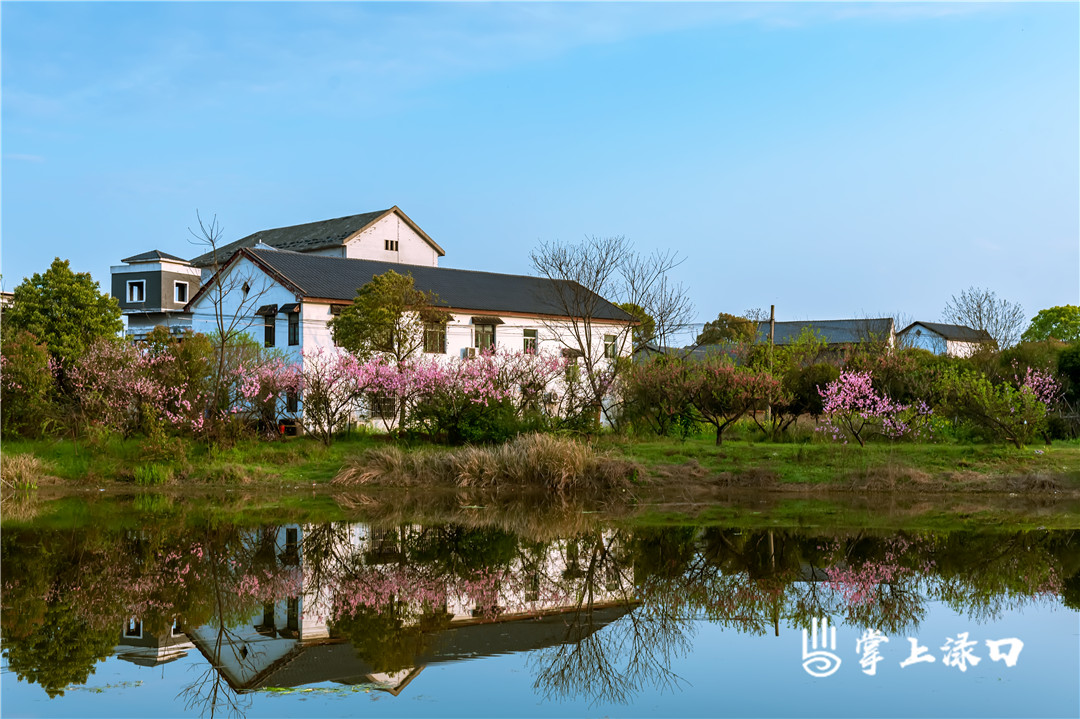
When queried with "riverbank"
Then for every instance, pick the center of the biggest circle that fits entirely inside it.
(644, 464)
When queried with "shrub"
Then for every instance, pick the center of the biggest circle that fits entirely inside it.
(1014, 412)
(26, 385)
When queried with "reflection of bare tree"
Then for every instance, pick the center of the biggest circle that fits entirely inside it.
(610, 663)
(209, 692)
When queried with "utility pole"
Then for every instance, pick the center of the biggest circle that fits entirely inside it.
(772, 338)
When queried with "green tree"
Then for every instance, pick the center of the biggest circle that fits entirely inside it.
(727, 329)
(388, 315)
(645, 331)
(66, 310)
(1058, 323)
(27, 385)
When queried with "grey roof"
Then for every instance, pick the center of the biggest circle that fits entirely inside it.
(958, 333)
(340, 663)
(154, 256)
(306, 237)
(832, 332)
(336, 278)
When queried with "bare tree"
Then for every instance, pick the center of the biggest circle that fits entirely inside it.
(586, 279)
(234, 297)
(982, 310)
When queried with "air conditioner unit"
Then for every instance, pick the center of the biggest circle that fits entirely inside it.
(468, 353)
(552, 398)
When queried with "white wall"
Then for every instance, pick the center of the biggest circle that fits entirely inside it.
(235, 304)
(412, 248)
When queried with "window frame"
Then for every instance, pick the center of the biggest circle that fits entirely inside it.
(530, 343)
(436, 330)
(131, 285)
(610, 344)
(270, 331)
(177, 284)
(483, 331)
(294, 329)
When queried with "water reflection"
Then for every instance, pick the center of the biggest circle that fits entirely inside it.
(604, 612)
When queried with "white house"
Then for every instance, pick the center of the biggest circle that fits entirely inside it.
(944, 339)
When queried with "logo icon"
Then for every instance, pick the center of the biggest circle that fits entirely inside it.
(820, 662)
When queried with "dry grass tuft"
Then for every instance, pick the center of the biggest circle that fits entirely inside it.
(22, 471)
(1035, 483)
(539, 461)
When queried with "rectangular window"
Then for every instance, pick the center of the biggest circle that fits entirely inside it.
(294, 328)
(383, 407)
(609, 346)
(572, 370)
(435, 338)
(292, 402)
(530, 341)
(180, 293)
(133, 628)
(391, 245)
(485, 337)
(268, 330)
(136, 291)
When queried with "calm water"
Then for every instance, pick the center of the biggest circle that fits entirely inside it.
(164, 613)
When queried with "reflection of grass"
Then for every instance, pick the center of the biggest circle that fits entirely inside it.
(105, 687)
(340, 691)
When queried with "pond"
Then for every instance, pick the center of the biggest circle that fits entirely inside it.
(141, 607)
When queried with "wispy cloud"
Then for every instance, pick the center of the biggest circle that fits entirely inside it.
(19, 157)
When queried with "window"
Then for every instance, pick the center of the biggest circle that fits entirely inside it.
(180, 292)
(485, 337)
(383, 406)
(530, 341)
(392, 245)
(435, 338)
(609, 346)
(572, 373)
(292, 402)
(176, 629)
(133, 628)
(136, 290)
(294, 328)
(268, 330)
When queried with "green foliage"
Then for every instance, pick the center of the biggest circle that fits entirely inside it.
(1056, 323)
(1001, 411)
(152, 475)
(727, 329)
(67, 310)
(381, 638)
(645, 332)
(26, 389)
(387, 315)
(59, 651)
(473, 422)
(656, 396)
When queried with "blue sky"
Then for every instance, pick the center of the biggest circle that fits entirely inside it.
(837, 160)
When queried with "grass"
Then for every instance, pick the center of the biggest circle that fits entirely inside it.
(825, 463)
(538, 461)
(552, 463)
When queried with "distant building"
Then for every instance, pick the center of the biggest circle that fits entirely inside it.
(944, 339)
(152, 289)
(836, 334)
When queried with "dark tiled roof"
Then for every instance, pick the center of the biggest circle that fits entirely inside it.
(154, 256)
(958, 333)
(336, 278)
(832, 332)
(307, 237)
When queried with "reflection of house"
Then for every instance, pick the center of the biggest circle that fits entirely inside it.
(288, 643)
(141, 646)
(944, 339)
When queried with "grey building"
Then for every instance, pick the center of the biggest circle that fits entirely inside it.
(153, 288)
